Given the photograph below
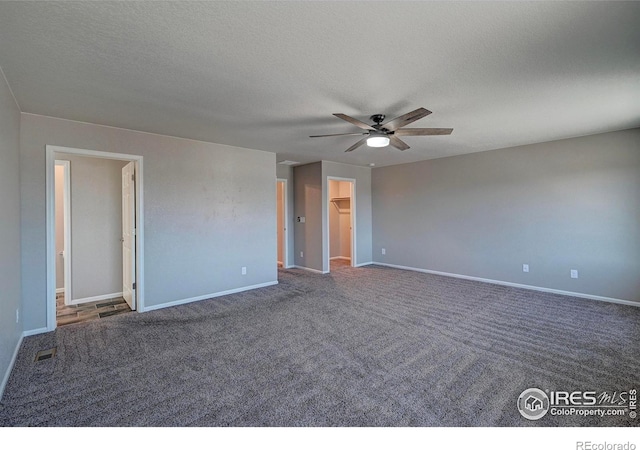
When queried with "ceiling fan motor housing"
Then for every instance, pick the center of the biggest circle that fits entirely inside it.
(377, 118)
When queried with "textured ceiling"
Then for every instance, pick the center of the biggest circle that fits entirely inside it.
(266, 75)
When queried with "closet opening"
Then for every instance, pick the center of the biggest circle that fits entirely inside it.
(341, 220)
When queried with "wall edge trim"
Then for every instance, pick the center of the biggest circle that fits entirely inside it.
(516, 285)
(207, 296)
(12, 363)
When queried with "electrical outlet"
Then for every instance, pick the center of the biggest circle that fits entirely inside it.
(301, 254)
(244, 271)
(574, 273)
(384, 251)
(525, 267)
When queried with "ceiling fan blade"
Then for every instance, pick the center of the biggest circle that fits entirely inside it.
(397, 142)
(356, 122)
(340, 134)
(423, 131)
(356, 145)
(406, 119)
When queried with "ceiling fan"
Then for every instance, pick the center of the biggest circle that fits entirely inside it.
(382, 134)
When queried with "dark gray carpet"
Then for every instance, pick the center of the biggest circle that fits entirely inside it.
(361, 347)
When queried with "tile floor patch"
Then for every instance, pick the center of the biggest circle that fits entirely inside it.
(110, 303)
(84, 312)
(46, 354)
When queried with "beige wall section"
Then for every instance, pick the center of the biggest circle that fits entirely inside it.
(96, 225)
(10, 331)
(362, 211)
(280, 219)
(59, 217)
(308, 184)
(557, 206)
(209, 210)
(340, 219)
(334, 221)
(344, 191)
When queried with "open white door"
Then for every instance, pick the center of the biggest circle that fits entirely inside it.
(129, 235)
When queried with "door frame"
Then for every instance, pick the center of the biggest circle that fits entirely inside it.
(50, 152)
(129, 291)
(66, 204)
(352, 220)
(285, 213)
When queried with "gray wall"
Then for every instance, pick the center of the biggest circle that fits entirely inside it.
(362, 175)
(308, 236)
(209, 210)
(10, 331)
(570, 204)
(286, 173)
(311, 199)
(96, 225)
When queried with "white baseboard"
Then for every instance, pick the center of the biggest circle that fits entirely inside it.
(96, 298)
(206, 296)
(368, 263)
(35, 331)
(60, 290)
(5, 378)
(346, 258)
(309, 269)
(516, 285)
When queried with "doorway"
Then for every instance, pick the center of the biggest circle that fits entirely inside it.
(94, 214)
(281, 225)
(63, 231)
(341, 222)
(94, 209)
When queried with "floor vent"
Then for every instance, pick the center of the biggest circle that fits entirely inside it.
(46, 354)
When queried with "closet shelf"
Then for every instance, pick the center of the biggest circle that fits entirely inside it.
(343, 204)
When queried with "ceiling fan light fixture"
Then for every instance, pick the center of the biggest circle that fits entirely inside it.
(378, 141)
(384, 134)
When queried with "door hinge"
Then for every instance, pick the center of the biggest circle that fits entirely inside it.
(134, 286)
(133, 177)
